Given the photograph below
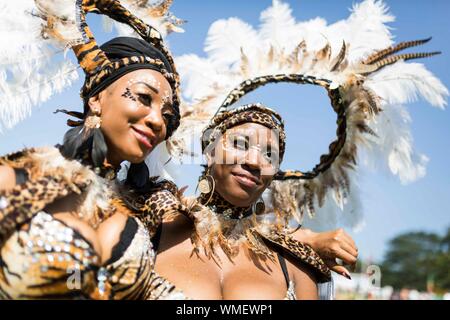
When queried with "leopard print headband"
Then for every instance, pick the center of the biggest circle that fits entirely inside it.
(253, 113)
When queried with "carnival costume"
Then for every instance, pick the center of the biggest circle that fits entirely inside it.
(41, 256)
(366, 82)
(365, 77)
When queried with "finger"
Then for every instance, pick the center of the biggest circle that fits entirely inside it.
(332, 264)
(346, 257)
(346, 237)
(349, 249)
(348, 246)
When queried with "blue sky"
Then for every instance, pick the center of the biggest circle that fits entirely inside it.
(389, 207)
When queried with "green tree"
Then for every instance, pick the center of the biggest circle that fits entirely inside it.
(443, 263)
(414, 258)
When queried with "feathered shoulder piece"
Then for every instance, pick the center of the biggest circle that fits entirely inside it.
(50, 177)
(365, 75)
(214, 231)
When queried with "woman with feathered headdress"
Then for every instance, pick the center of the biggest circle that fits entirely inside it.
(230, 245)
(68, 229)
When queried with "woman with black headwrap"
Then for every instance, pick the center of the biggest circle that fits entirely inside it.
(68, 229)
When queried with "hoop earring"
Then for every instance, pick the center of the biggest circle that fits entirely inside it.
(206, 185)
(259, 207)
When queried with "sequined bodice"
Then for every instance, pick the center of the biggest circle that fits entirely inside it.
(48, 259)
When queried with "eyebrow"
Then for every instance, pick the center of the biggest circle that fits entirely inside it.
(272, 146)
(275, 149)
(149, 86)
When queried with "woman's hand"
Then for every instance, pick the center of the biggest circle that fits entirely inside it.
(331, 245)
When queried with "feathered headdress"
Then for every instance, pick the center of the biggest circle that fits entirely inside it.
(364, 74)
(36, 34)
(153, 12)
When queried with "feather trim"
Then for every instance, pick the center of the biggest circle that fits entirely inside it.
(254, 233)
(153, 12)
(48, 161)
(213, 230)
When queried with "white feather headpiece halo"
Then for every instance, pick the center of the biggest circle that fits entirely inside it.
(358, 63)
(35, 37)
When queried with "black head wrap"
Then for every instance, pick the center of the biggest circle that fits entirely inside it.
(127, 54)
(127, 47)
(105, 64)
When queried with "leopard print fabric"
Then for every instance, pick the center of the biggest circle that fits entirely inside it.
(161, 199)
(20, 204)
(298, 251)
(252, 84)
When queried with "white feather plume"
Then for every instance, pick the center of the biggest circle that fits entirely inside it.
(406, 82)
(278, 26)
(225, 39)
(365, 29)
(393, 150)
(29, 74)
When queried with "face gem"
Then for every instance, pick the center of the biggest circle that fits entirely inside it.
(3, 203)
(166, 97)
